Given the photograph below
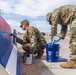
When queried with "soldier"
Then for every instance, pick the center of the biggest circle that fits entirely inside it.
(65, 15)
(33, 41)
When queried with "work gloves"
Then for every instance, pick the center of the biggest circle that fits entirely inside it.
(52, 41)
(15, 36)
(56, 40)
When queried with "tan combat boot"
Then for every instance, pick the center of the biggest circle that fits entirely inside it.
(69, 64)
(39, 55)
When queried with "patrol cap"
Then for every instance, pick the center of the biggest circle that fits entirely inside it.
(24, 21)
(48, 16)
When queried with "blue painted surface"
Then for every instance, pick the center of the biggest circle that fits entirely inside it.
(6, 48)
(18, 67)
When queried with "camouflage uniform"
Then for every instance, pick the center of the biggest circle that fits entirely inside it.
(33, 41)
(65, 15)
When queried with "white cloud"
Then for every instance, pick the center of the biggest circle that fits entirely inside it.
(5, 7)
(41, 25)
(13, 23)
(32, 8)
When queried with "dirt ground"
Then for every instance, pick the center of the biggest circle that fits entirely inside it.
(36, 68)
(42, 67)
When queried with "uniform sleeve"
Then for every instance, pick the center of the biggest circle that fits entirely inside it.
(54, 26)
(54, 21)
(26, 39)
(22, 42)
(63, 32)
(53, 30)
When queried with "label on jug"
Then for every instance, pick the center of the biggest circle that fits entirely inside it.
(49, 56)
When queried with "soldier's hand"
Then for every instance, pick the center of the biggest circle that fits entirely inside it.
(51, 36)
(50, 41)
(15, 35)
(56, 40)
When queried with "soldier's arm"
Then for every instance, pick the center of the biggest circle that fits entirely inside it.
(63, 32)
(54, 21)
(22, 42)
(53, 30)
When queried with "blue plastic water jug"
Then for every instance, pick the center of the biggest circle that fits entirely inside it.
(52, 53)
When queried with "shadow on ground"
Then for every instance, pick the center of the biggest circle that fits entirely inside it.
(36, 68)
(62, 59)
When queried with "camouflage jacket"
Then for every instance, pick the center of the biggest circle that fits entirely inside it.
(62, 16)
(32, 36)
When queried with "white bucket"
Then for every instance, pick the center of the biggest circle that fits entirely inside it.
(28, 59)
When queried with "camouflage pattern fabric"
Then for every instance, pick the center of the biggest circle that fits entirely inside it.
(72, 41)
(62, 16)
(33, 41)
(65, 15)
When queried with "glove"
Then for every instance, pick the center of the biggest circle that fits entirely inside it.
(15, 35)
(56, 40)
(50, 41)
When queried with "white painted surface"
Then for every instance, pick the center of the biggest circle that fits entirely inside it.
(12, 62)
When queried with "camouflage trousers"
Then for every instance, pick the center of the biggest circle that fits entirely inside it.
(72, 41)
(36, 49)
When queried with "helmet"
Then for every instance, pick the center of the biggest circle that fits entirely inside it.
(48, 16)
(25, 20)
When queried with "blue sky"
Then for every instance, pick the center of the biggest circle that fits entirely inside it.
(13, 11)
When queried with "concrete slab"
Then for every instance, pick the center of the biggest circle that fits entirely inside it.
(54, 67)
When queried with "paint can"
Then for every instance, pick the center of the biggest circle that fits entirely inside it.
(28, 59)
